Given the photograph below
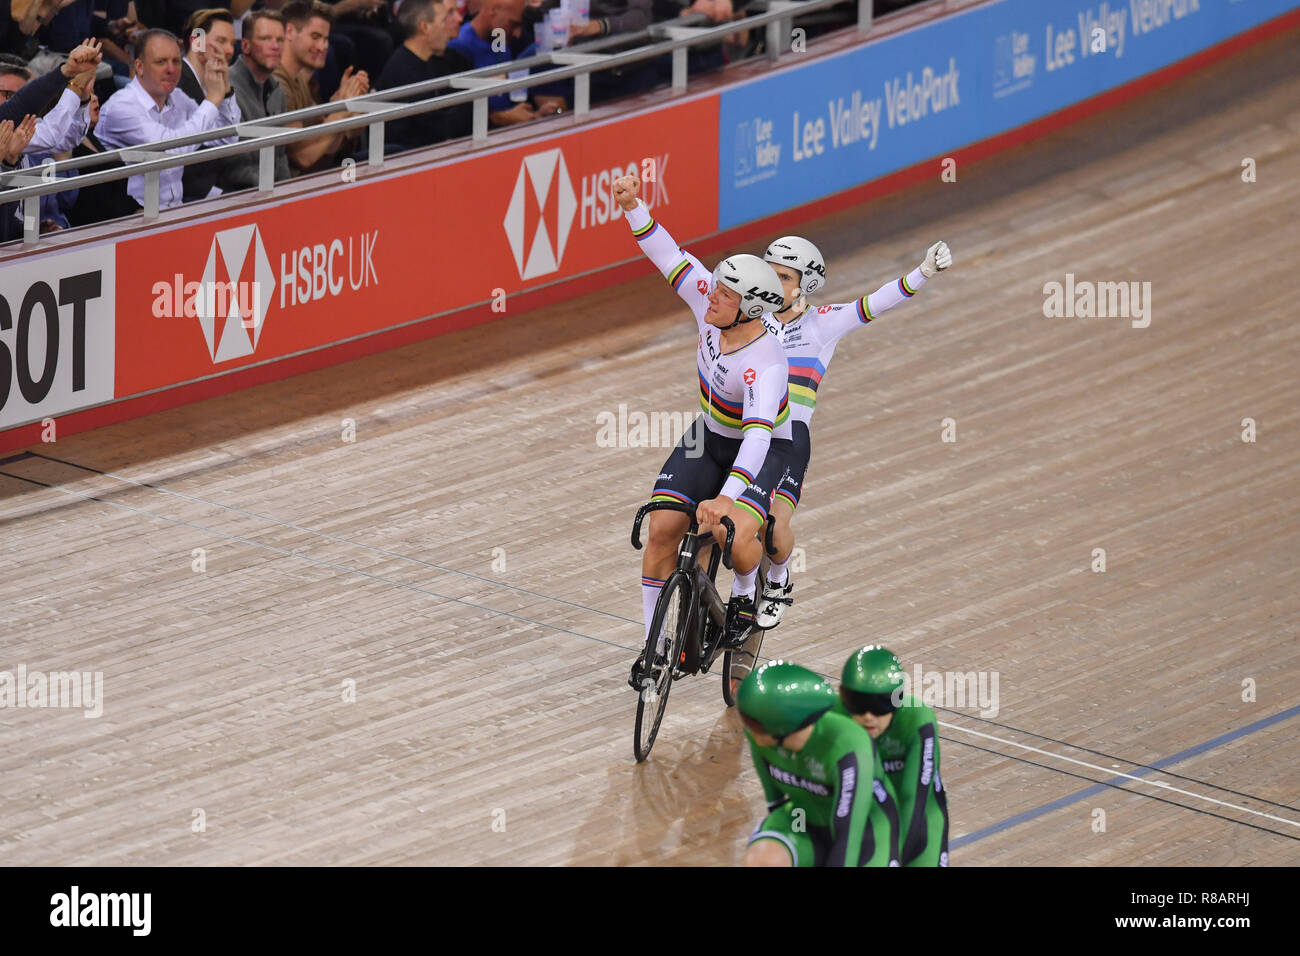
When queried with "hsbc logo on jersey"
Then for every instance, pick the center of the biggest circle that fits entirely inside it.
(750, 377)
(703, 287)
(540, 215)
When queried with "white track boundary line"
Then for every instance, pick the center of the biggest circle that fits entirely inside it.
(1115, 773)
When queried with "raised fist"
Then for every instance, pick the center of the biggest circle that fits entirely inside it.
(626, 190)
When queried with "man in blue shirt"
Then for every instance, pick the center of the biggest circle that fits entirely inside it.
(485, 41)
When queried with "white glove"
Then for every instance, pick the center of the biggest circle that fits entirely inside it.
(937, 258)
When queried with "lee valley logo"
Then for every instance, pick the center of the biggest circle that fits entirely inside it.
(102, 909)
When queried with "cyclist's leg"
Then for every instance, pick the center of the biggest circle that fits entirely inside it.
(880, 842)
(786, 500)
(750, 516)
(751, 509)
(687, 476)
(778, 842)
(936, 826)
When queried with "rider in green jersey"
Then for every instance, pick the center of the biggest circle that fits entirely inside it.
(829, 803)
(906, 735)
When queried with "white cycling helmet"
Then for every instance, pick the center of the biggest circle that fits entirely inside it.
(755, 281)
(803, 257)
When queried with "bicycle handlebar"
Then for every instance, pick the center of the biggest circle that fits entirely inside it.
(689, 511)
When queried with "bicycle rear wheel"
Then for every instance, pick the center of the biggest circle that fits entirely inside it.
(671, 618)
(737, 664)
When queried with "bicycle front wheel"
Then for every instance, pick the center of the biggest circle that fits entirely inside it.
(671, 618)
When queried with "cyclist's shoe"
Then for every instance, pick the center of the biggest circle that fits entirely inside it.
(776, 598)
(740, 620)
(640, 673)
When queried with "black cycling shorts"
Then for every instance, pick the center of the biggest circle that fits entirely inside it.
(698, 468)
(790, 487)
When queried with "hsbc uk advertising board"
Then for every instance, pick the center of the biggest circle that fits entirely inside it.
(363, 257)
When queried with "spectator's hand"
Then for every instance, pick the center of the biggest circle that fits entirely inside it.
(18, 140)
(717, 11)
(626, 189)
(6, 134)
(125, 29)
(352, 84)
(521, 113)
(589, 29)
(82, 59)
(93, 108)
(550, 105)
(82, 84)
(215, 78)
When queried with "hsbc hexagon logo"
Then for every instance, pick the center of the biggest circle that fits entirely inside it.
(231, 300)
(540, 215)
(750, 377)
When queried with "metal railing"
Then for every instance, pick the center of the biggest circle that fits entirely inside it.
(377, 108)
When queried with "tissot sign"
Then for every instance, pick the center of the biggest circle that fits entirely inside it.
(56, 335)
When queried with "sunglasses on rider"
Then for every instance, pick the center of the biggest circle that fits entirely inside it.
(878, 705)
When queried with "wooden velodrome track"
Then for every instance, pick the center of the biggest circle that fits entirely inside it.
(466, 563)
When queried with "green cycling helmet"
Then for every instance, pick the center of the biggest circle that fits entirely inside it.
(779, 699)
(872, 681)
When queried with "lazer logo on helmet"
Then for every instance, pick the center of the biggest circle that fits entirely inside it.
(771, 298)
(794, 780)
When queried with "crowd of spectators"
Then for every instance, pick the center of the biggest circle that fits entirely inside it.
(85, 76)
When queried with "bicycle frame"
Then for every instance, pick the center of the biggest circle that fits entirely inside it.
(699, 654)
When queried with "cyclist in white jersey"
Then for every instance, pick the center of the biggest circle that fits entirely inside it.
(731, 459)
(809, 336)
